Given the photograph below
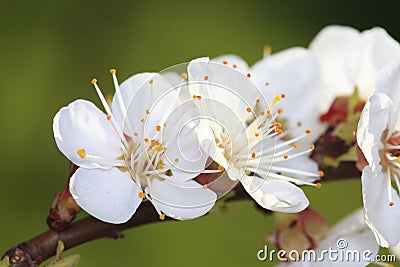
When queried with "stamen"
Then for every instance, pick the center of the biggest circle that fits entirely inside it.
(248, 110)
(308, 131)
(234, 66)
(176, 160)
(266, 83)
(283, 95)
(205, 187)
(312, 147)
(147, 111)
(162, 216)
(198, 97)
(158, 128)
(318, 185)
(81, 152)
(141, 195)
(136, 134)
(294, 145)
(108, 117)
(206, 78)
(101, 96)
(118, 91)
(321, 173)
(285, 156)
(253, 155)
(151, 82)
(248, 75)
(276, 99)
(224, 62)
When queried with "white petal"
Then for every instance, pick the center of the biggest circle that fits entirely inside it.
(380, 216)
(223, 85)
(356, 242)
(380, 49)
(353, 222)
(81, 125)
(338, 49)
(183, 154)
(109, 195)
(231, 60)
(276, 195)
(389, 83)
(181, 200)
(373, 122)
(295, 73)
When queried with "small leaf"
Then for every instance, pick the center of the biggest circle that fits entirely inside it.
(5, 262)
(70, 261)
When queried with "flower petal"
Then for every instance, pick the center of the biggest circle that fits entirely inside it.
(275, 195)
(373, 122)
(109, 195)
(381, 218)
(181, 200)
(82, 126)
(338, 50)
(380, 49)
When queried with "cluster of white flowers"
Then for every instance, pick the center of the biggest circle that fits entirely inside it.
(256, 124)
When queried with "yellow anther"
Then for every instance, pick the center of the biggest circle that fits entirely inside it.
(257, 101)
(262, 113)
(318, 185)
(205, 187)
(279, 111)
(312, 147)
(285, 156)
(113, 71)
(158, 128)
(146, 140)
(206, 78)
(248, 75)
(151, 81)
(159, 148)
(398, 159)
(308, 131)
(194, 97)
(391, 203)
(283, 95)
(294, 145)
(224, 62)
(220, 168)
(184, 75)
(142, 120)
(81, 152)
(276, 99)
(165, 124)
(176, 160)
(160, 166)
(141, 195)
(198, 97)
(162, 216)
(93, 81)
(147, 111)
(321, 173)
(234, 66)
(266, 83)
(248, 110)
(108, 117)
(299, 124)
(256, 134)
(136, 134)
(253, 155)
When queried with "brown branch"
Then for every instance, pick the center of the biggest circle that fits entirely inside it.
(38, 249)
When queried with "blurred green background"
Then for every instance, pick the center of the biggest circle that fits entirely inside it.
(50, 50)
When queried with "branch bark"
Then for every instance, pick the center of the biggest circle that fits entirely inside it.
(40, 248)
